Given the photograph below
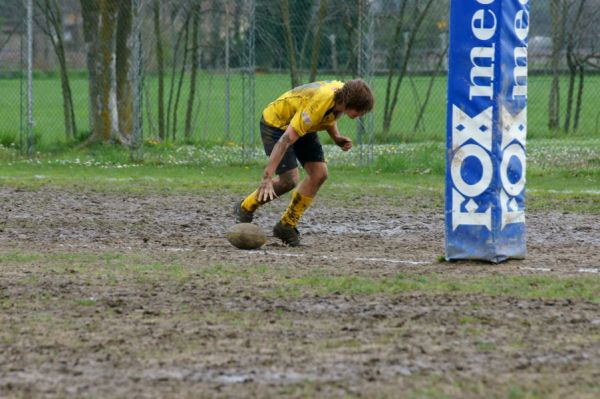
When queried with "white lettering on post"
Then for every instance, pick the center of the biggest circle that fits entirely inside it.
(514, 130)
(482, 61)
(520, 72)
(477, 131)
(481, 29)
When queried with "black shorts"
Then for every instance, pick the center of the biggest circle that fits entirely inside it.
(306, 149)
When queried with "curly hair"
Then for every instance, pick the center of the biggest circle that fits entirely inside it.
(355, 94)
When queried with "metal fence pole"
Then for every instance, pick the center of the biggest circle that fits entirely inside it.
(22, 96)
(29, 77)
(227, 71)
(365, 124)
(249, 85)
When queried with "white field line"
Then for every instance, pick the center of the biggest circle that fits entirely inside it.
(273, 253)
(384, 260)
(587, 270)
(554, 191)
(592, 270)
(546, 269)
(537, 269)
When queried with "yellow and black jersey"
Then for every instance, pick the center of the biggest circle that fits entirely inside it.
(308, 108)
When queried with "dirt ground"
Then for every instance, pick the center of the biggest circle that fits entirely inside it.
(74, 325)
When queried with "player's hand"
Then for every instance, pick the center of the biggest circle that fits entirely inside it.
(343, 142)
(266, 192)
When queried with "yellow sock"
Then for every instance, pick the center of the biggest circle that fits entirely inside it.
(251, 203)
(295, 209)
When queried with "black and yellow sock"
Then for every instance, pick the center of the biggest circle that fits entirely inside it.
(295, 209)
(251, 203)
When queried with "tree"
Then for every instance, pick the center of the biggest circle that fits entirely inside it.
(160, 61)
(106, 22)
(349, 24)
(106, 93)
(581, 52)
(181, 40)
(90, 12)
(314, 59)
(442, 56)
(193, 73)
(412, 29)
(289, 42)
(558, 11)
(50, 21)
(124, 89)
(572, 64)
(12, 13)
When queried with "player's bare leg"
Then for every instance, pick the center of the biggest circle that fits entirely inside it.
(316, 174)
(301, 199)
(285, 182)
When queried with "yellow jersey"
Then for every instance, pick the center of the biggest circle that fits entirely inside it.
(307, 108)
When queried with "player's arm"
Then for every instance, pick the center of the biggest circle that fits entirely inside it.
(266, 192)
(343, 142)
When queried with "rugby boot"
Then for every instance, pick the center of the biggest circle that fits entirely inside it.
(289, 235)
(242, 216)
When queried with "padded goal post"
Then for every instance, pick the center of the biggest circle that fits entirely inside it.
(486, 130)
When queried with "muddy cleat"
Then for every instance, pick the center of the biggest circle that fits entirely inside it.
(242, 216)
(289, 235)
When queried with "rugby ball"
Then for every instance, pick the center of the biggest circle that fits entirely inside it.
(246, 236)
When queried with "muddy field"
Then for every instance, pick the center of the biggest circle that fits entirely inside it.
(115, 295)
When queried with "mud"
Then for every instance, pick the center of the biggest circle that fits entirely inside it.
(74, 325)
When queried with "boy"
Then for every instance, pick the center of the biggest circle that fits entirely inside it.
(288, 128)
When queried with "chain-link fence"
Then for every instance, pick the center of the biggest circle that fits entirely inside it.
(201, 71)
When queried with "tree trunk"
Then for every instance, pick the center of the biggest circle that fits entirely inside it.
(123, 68)
(160, 61)
(572, 73)
(52, 27)
(181, 77)
(557, 13)
(193, 76)
(90, 13)
(579, 101)
(289, 42)
(170, 130)
(438, 66)
(68, 108)
(392, 59)
(349, 25)
(314, 59)
(575, 65)
(106, 94)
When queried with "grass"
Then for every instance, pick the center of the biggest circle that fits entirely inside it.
(178, 311)
(561, 174)
(210, 120)
(264, 281)
(57, 297)
(549, 287)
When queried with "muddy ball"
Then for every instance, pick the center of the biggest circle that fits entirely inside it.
(246, 236)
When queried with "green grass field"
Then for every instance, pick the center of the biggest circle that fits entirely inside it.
(556, 168)
(210, 120)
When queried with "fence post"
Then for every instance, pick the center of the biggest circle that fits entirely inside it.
(365, 124)
(30, 122)
(249, 84)
(227, 72)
